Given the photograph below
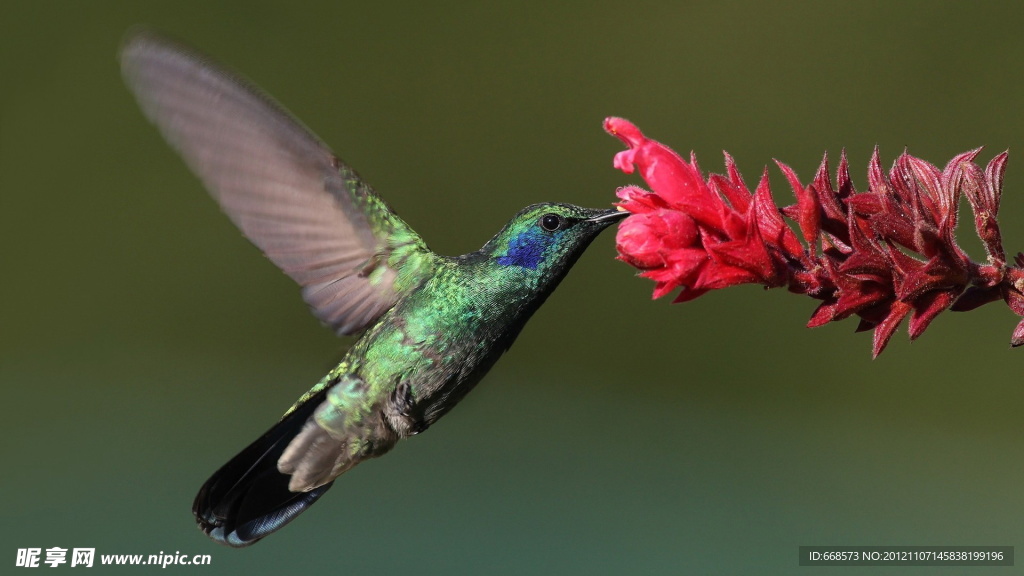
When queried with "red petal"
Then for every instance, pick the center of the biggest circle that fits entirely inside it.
(808, 210)
(994, 182)
(737, 182)
(748, 252)
(716, 276)
(681, 270)
(770, 223)
(824, 314)
(834, 216)
(866, 257)
(1018, 335)
(886, 328)
(865, 203)
(648, 240)
(676, 181)
(856, 297)
(926, 308)
(689, 294)
(930, 181)
(986, 208)
(927, 276)
(1015, 300)
(975, 296)
(843, 182)
(637, 200)
(877, 180)
(956, 170)
(663, 288)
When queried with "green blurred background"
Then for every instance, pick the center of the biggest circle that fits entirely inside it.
(143, 341)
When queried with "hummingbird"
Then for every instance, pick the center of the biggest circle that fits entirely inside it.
(430, 326)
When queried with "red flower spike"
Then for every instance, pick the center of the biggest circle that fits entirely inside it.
(883, 254)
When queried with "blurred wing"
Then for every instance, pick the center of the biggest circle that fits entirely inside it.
(304, 208)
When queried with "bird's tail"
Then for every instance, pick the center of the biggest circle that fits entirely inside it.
(248, 498)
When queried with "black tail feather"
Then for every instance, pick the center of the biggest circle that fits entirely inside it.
(248, 498)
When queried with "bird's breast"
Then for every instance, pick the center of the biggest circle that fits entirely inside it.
(427, 353)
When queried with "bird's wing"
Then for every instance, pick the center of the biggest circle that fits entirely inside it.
(289, 194)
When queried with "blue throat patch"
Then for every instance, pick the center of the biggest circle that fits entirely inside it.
(526, 249)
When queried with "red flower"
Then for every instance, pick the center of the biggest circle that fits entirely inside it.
(883, 255)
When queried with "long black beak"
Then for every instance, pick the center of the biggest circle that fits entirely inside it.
(608, 216)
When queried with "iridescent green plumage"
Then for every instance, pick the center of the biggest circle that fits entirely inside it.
(432, 325)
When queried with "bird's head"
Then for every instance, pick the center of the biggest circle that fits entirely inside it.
(546, 239)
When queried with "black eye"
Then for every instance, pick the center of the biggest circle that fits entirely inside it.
(551, 222)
